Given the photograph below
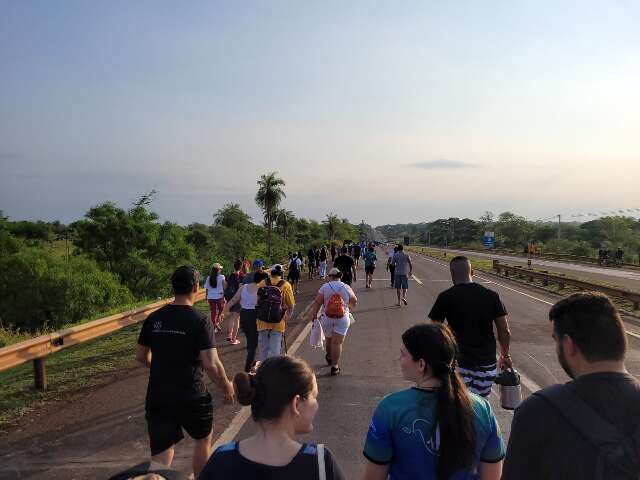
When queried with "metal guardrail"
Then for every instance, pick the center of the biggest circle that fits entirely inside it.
(563, 281)
(37, 349)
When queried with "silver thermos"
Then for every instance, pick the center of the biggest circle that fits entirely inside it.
(510, 391)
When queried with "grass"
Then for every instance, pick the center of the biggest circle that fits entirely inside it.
(68, 371)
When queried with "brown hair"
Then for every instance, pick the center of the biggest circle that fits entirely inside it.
(277, 381)
(436, 345)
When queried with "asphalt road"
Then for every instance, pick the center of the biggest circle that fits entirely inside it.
(103, 430)
(628, 278)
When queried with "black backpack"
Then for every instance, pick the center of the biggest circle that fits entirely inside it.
(618, 456)
(293, 266)
(269, 307)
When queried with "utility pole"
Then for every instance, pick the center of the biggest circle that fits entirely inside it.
(559, 223)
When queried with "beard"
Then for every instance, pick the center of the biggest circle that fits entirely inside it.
(563, 362)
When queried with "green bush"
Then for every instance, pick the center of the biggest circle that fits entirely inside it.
(40, 291)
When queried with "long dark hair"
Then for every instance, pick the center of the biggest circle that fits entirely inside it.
(436, 345)
(275, 384)
(213, 277)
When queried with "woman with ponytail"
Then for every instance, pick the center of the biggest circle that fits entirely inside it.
(283, 398)
(437, 429)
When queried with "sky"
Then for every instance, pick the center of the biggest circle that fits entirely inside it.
(388, 112)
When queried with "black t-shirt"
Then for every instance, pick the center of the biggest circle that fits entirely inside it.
(543, 446)
(470, 310)
(312, 255)
(323, 255)
(356, 250)
(344, 263)
(227, 462)
(176, 334)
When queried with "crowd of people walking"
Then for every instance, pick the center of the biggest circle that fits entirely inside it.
(441, 428)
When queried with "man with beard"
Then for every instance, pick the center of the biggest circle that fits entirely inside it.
(588, 428)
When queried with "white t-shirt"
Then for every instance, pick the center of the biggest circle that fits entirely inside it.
(217, 292)
(249, 297)
(331, 288)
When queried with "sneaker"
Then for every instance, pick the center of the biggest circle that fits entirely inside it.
(398, 304)
(335, 371)
(404, 300)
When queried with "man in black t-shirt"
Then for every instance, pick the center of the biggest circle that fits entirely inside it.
(178, 344)
(346, 265)
(558, 432)
(471, 310)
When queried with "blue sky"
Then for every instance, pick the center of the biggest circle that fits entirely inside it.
(383, 111)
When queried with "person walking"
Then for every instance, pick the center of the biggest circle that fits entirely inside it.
(347, 266)
(370, 260)
(333, 252)
(316, 257)
(258, 266)
(323, 262)
(391, 268)
(274, 308)
(293, 274)
(588, 428)
(247, 299)
(337, 299)
(215, 286)
(402, 269)
(471, 310)
(357, 251)
(283, 399)
(312, 262)
(437, 429)
(233, 285)
(177, 343)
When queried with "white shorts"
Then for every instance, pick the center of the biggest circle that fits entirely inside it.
(337, 325)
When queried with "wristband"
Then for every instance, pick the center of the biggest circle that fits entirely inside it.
(505, 356)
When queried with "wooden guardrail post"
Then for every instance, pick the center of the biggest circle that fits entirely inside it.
(40, 374)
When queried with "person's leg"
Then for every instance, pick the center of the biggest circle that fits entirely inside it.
(219, 304)
(234, 326)
(212, 311)
(392, 270)
(201, 454)
(274, 343)
(248, 322)
(165, 458)
(336, 351)
(263, 344)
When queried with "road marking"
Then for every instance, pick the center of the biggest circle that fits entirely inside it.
(245, 412)
(416, 279)
(631, 334)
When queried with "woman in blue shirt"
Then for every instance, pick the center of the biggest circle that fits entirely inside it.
(436, 429)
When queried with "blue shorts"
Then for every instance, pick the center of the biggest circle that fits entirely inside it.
(401, 281)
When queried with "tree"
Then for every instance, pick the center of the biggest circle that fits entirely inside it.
(232, 216)
(285, 221)
(331, 225)
(268, 198)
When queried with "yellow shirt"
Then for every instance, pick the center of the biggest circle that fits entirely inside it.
(288, 302)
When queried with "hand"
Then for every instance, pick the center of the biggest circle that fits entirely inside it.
(229, 394)
(505, 362)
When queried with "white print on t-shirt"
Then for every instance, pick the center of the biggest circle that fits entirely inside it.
(424, 432)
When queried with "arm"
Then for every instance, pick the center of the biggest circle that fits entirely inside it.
(504, 338)
(410, 265)
(234, 300)
(376, 472)
(215, 371)
(143, 355)
(353, 301)
(490, 471)
(353, 271)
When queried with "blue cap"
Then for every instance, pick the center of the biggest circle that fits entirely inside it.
(258, 263)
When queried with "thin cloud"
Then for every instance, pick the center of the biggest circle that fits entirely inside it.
(442, 163)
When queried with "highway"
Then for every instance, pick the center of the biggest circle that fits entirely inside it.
(103, 431)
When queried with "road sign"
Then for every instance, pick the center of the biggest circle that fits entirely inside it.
(489, 242)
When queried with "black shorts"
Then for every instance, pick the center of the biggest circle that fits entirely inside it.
(369, 270)
(165, 423)
(293, 277)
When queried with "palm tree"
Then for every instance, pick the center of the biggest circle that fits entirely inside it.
(331, 224)
(268, 198)
(285, 220)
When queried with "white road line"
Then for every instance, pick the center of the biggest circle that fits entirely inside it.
(631, 334)
(416, 279)
(245, 412)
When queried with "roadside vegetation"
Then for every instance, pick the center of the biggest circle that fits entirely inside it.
(514, 232)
